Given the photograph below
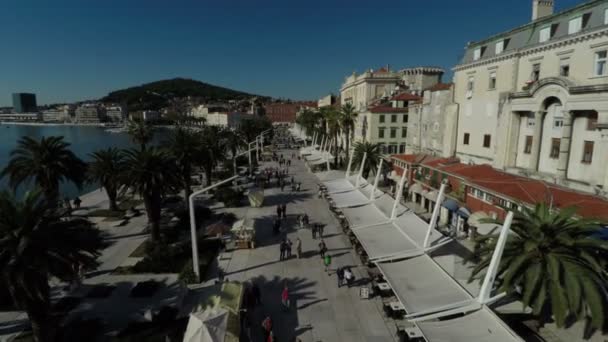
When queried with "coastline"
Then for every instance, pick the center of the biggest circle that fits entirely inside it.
(17, 123)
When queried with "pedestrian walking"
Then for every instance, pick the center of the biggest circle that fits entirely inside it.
(322, 248)
(267, 327)
(289, 162)
(305, 219)
(299, 248)
(327, 262)
(293, 180)
(288, 245)
(279, 210)
(282, 185)
(313, 229)
(349, 276)
(285, 297)
(283, 246)
(320, 232)
(257, 295)
(77, 202)
(284, 210)
(340, 274)
(298, 187)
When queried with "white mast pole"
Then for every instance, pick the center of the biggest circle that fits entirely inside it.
(486, 286)
(361, 168)
(435, 215)
(398, 195)
(371, 196)
(350, 163)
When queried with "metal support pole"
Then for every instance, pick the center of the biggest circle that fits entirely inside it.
(350, 163)
(361, 168)
(398, 196)
(435, 216)
(488, 281)
(193, 236)
(371, 196)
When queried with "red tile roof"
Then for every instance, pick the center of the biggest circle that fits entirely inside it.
(405, 97)
(441, 86)
(523, 189)
(387, 109)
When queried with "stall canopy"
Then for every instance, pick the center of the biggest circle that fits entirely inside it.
(365, 215)
(343, 185)
(386, 241)
(356, 197)
(421, 285)
(432, 195)
(480, 326)
(478, 217)
(326, 176)
(416, 229)
(450, 205)
(207, 326)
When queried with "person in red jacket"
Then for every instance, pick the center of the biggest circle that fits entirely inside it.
(267, 327)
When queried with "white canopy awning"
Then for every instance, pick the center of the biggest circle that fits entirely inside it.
(318, 162)
(416, 229)
(476, 218)
(207, 326)
(416, 188)
(421, 285)
(365, 215)
(386, 240)
(314, 156)
(385, 205)
(330, 175)
(343, 185)
(479, 326)
(353, 198)
(432, 195)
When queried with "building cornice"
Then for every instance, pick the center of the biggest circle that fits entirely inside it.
(566, 41)
(565, 83)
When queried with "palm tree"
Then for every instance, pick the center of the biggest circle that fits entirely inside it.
(373, 155)
(332, 120)
(48, 162)
(233, 141)
(186, 146)
(36, 243)
(214, 150)
(348, 117)
(552, 261)
(107, 169)
(141, 132)
(151, 173)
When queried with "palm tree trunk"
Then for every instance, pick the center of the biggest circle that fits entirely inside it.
(112, 198)
(152, 203)
(348, 143)
(38, 312)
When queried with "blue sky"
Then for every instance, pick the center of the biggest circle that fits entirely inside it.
(70, 50)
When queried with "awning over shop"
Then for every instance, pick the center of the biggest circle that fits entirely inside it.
(479, 326)
(385, 205)
(356, 197)
(365, 215)
(416, 188)
(450, 205)
(477, 217)
(432, 195)
(319, 161)
(463, 212)
(343, 185)
(326, 176)
(385, 240)
(416, 229)
(421, 285)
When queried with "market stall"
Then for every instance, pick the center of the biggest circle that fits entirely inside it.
(243, 235)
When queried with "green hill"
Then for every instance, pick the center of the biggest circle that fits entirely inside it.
(156, 95)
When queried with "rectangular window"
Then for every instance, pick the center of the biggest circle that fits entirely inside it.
(470, 86)
(554, 154)
(381, 132)
(558, 122)
(466, 139)
(528, 145)
(393, 118)
(477, 54)
(392, 149)
(600, 63)
(382, 118)
(404, 117)
(535, 72)
(606, 16)
(486, 140)
(587, 152)
(545, 34)
(393, 132)
(404, 132)
(592, 122)
(500, 47)
(492, 82)
(575, 25)
(402, 148)
(564, 67)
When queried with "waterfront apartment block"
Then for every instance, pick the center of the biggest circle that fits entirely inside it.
(116, 113)
(24, 103)
(534, 100)
(60, 114)
(90, 113)
(361, 90)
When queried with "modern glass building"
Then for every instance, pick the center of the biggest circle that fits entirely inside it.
(24, 103)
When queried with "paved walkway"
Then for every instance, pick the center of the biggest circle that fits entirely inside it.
(320, 311)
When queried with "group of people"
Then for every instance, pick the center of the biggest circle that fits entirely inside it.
(267, 323)
(345, 274)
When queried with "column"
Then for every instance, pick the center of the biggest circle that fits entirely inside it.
(536, 140)
(564, 144)
(603, 149)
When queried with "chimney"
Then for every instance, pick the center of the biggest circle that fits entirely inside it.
(541, 9)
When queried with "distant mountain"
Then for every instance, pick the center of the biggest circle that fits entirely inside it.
(156, 95)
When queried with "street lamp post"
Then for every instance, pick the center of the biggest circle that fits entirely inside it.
(195, 263)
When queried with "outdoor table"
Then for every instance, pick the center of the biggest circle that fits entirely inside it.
(384, 289)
